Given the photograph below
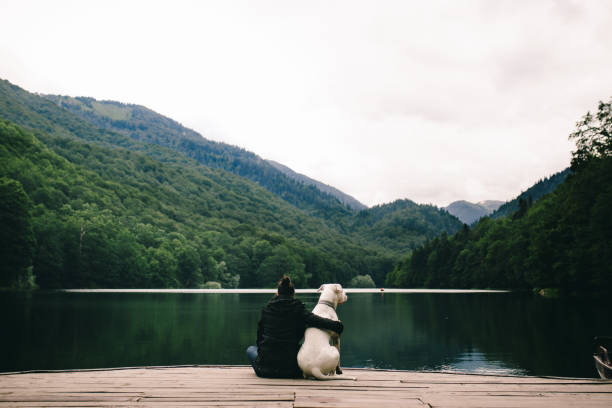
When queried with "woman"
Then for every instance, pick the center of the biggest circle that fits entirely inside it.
(280, 329)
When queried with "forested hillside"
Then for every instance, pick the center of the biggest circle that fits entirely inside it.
(143, 124)
(561, 241)
(113, 218)
(403, 224)
(94, 193)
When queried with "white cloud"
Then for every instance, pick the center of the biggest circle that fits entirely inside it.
(432, 101)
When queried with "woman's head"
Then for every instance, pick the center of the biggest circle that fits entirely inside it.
(285, 286)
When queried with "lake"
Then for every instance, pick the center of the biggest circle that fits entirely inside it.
(480, 332)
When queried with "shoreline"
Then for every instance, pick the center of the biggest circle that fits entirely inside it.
(230, 366)
(255, 291)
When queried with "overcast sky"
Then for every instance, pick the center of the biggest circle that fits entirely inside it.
(431, 101)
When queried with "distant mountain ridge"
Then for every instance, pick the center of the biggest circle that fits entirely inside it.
(469, 212)
(343, 197)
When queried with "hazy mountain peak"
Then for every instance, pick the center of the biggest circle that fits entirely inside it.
(490, 205)
(469, 212)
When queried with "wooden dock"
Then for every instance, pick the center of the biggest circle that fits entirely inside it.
(238, 387)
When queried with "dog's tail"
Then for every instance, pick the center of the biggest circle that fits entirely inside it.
(316, 373)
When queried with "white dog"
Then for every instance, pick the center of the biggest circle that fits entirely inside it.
(317, 358)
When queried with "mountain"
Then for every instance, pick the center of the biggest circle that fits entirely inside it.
(153, 196)
(96, 193)
(533, 193)
(491, 205)
(142, 124)
(343, 197)
(468, 212)
(109, 217)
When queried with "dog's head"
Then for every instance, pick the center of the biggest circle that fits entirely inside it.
(333, 292)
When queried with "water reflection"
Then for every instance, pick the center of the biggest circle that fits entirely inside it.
(471, 332)
(478, 363)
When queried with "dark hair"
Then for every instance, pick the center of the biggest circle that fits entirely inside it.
(285, 286)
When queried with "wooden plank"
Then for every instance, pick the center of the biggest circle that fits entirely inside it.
(220, 404)
(220, 396)
(67, 397)
(514, 402)
(65, 404)
(348, 402)
(255, 404)
(238, 386)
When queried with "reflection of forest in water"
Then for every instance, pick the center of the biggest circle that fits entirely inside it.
(476, 332)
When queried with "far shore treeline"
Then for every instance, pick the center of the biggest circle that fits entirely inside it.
(107, 195)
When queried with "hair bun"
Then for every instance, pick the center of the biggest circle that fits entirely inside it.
(285, 286)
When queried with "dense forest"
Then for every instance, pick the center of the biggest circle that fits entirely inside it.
(561, 241)
(99, 208)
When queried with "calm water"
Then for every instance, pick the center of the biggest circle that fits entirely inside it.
(475, 332)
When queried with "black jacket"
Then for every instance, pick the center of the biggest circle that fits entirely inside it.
(280, 329)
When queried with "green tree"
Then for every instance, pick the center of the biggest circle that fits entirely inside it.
(593, 136)
(189, 272)
(49, 261)
(281, 262)
(16, 235)
(162, 267)
(362, 281)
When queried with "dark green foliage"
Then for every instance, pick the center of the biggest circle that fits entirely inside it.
(16, 235)
(593, 136)
(403, 224)
(561, 241)
(362, 281)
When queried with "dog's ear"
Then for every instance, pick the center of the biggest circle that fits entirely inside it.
(338, 287)
(321, 288)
